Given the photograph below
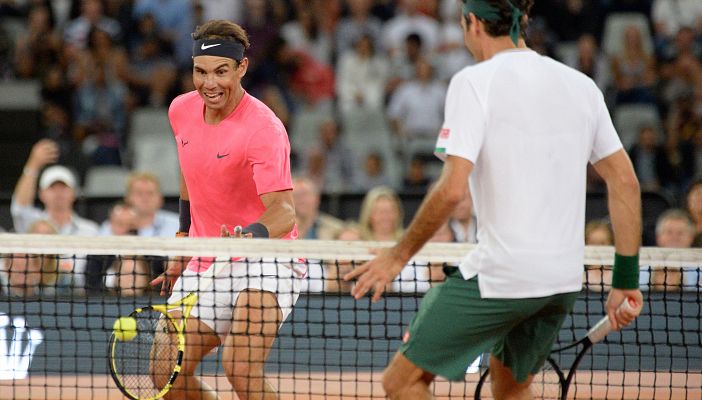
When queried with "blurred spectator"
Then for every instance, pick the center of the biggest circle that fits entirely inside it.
(408, 20)
(674, 229)
(121, 221)
(303, 34)
(684, 42)
(263, 30)
(175, 22)
(77, 29)
(311, 223)
(693, 203)
(576, 17)
(634, 70)
(381, 216)
(403, 64)
(101, 100)
(358, 23)
(539, 37)
(669, 16)
(649, 158)
(416, 109)
(416, 179)
(680, 165)
(38, 48)
(373, 173)
(331, 162)
(222, 9)
(598, 278)
(361, 77)
(591, 61)
(334, 270)
(151, 74)
(30, 275)
(128, 276)
(451, 52)
(57, 193)
(144, 196)
(462, 221)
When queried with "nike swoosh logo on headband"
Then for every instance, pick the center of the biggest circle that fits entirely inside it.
(205, 47)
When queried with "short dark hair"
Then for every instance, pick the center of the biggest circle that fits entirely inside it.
(222, 29)
(502, 26)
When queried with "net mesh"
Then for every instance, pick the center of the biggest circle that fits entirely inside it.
(61, 295)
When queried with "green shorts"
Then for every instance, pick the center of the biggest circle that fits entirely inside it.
(455, 325)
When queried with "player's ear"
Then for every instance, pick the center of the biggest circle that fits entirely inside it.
(243, 67)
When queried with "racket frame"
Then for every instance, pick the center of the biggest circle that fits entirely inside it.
(187, 303)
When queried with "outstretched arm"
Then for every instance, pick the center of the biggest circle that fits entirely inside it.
(44, 152)
(434, 211)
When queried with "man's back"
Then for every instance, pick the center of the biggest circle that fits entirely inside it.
(530, 125)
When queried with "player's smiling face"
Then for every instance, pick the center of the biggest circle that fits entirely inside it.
(218, 80)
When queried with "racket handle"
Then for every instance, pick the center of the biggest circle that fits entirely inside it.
(604, 327)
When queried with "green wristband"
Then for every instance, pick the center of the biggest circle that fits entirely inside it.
(625, 273)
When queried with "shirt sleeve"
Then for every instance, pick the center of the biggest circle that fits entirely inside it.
(268, 154)
(463, 130)
(606, 140)
(24, 216)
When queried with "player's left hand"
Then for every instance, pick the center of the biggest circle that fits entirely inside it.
(236, 233)
(375, 274)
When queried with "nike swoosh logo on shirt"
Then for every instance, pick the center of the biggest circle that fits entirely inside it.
(222, 156)
(205, 47)
(183, 143)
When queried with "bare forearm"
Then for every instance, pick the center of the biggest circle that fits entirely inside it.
(26, 186)
(625, 211)
(434, 211)
(436, 207)
(278, 219)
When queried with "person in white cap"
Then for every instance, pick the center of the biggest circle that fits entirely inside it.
(57, 193)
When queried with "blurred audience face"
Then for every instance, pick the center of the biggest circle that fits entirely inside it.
(57, 197)
(632, 38)
(306, 198)
(25, 271)
(122, 220)
(133, 277)
(328, 132)
(599, 236)
(384, 217)
(359, 7)
(694, 200)
(144, 195)
(374, 165)
(675, 232)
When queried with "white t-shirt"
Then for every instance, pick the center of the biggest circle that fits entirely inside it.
(529, 125)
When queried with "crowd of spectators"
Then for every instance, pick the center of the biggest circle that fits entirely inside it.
(346, 61)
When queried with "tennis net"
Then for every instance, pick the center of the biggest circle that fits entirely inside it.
(61, 295)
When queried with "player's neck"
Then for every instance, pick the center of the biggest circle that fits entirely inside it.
(493, 46)
(215, 116)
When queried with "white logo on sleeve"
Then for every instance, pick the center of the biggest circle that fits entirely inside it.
(205, 47)
(17, 347)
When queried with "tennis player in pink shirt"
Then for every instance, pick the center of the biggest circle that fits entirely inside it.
(235, 166)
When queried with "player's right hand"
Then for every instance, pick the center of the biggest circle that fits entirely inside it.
(174, 268)
(44, 152)
(619, 317)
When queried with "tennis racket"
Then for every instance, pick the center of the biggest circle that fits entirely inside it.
(551, 382)
(145, 362)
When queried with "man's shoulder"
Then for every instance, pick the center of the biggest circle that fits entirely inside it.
(183, 101)
(258, 113)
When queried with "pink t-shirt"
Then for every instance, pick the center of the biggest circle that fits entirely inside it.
(227, 166)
